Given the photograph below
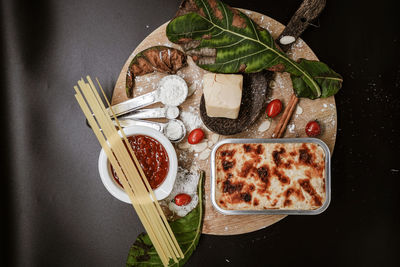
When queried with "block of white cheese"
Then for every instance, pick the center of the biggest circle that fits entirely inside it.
(222, 94)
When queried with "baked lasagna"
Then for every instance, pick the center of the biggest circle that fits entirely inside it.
(289, 176)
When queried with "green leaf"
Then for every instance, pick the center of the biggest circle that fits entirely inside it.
(329, 81)
(224, 40)
(187, 231)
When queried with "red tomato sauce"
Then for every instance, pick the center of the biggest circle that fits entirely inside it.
(152, 157)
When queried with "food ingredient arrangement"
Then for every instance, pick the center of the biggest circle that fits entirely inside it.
(212, 80)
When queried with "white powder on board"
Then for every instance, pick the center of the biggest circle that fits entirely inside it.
(191, 120)
(296, 49)
(291, 127)
(146, 83)
(192, 89)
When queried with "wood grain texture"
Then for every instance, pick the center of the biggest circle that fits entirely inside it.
(307, 12)
(322, 109)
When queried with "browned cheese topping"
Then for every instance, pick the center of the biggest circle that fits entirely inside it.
(270, 176)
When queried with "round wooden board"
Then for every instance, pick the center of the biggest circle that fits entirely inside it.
(324, 110)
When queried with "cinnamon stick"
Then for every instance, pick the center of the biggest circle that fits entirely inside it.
(284, 120)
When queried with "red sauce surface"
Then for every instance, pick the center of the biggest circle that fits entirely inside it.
(153, 159)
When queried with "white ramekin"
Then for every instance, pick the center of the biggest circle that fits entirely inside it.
(160, 192)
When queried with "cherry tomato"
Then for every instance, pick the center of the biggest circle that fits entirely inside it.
(195, 136)
(313, 129)
(274, 108)
(182, 199)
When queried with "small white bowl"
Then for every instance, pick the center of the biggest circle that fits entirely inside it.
(160, 192)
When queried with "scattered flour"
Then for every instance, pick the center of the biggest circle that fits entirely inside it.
(191, 120)
(291, 127)
(146, 82)
(296, 49)
(192, 89)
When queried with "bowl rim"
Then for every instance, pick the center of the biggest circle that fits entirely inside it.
(166, 186)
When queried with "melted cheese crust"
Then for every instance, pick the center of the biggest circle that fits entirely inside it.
(287, 176)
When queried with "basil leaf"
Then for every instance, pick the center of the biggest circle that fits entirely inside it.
(187, 231)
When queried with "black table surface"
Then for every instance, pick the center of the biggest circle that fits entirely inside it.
(58, 213)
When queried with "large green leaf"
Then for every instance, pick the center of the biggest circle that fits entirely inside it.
(187, 231)
(224, 40)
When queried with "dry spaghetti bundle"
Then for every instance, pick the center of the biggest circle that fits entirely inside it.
(128, 169)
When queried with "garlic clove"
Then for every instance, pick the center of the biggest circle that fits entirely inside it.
(205, 154)
(299, 110)
(285, 40)
(214, 138)
(183, 145)
(264, 126)
(199, 147)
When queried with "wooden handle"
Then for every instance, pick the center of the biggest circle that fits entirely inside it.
(307, 12)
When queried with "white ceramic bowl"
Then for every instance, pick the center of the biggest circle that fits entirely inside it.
(160, 192)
